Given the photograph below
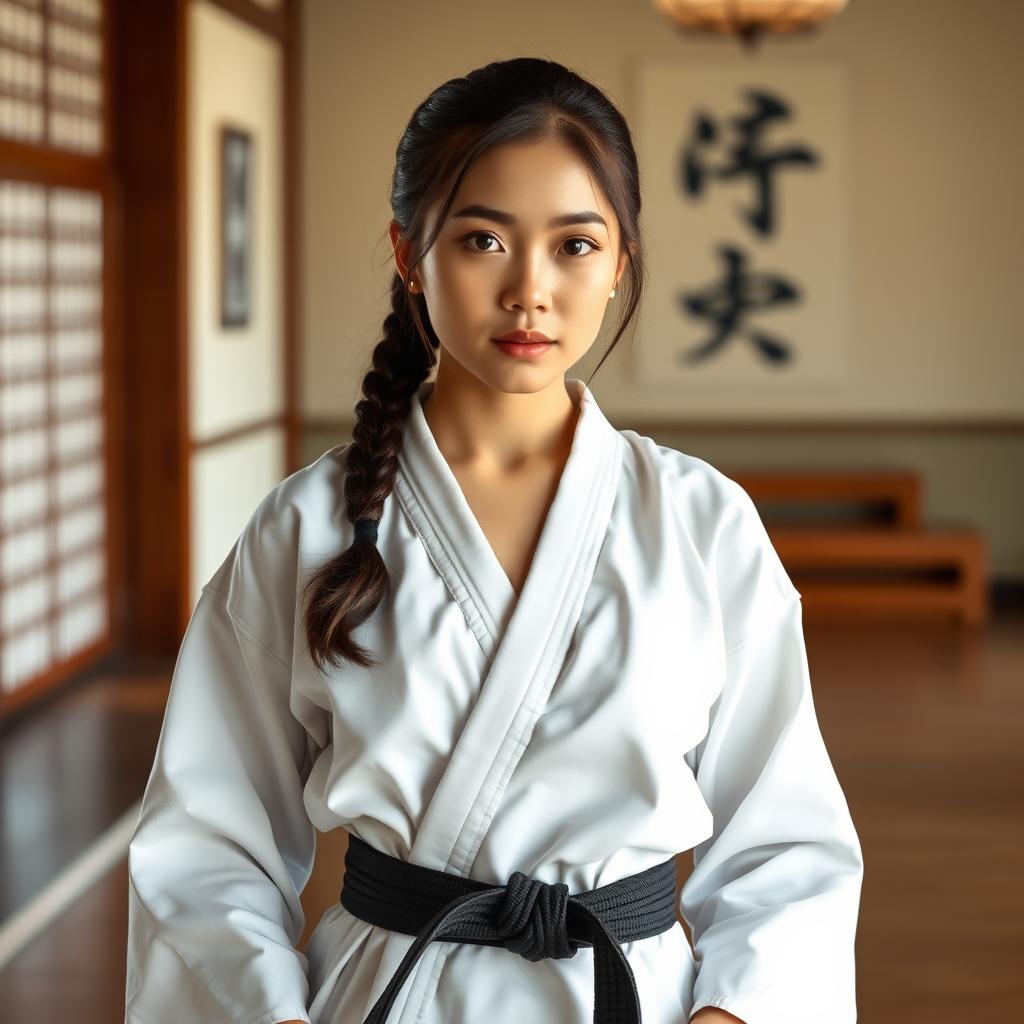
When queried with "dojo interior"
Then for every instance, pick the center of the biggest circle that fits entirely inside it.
(193, 214)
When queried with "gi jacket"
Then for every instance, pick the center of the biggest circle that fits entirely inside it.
(646, 694)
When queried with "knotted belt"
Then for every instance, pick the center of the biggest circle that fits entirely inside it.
(535, 919)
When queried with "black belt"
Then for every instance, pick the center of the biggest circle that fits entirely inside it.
(535, 919)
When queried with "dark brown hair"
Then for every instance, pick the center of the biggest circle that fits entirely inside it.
(527, 98)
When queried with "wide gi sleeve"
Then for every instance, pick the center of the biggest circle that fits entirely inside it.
(223, 846)
(773, 897)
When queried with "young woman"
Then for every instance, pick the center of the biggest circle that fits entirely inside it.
(524, 658)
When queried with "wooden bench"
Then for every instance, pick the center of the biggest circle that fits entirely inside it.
(887, 496)
(884, 565)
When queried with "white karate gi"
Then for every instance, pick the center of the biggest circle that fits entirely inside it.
(647, 694)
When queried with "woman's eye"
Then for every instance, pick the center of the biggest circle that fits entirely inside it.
(480, 234)
(585, 241)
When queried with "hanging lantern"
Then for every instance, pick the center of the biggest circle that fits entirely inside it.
(748, 19)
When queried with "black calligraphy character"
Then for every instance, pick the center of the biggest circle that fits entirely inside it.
(745, 156)
(726, 304)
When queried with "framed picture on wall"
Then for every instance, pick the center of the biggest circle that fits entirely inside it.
(235, 226)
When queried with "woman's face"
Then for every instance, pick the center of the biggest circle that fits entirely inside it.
(501, 263)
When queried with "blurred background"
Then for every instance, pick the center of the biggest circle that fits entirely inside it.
(194, 268)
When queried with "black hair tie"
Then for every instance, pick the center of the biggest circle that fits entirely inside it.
(366, 527)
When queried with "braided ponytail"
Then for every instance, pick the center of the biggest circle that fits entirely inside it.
(344, 592)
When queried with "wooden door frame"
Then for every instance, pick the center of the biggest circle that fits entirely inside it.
(152, 43)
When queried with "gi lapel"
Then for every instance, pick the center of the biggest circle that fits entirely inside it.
(528, 636)
(433, 500)
(526, 639)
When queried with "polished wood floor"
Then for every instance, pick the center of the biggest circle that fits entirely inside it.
(925, 726)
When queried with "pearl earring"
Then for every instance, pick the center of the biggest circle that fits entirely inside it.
(611, 294)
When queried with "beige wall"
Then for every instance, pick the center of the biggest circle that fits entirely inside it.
(236, 375)
(934, 221)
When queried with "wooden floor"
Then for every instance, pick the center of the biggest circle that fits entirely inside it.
(925, 727)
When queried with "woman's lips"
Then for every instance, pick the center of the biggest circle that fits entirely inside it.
(523, 350)
(523, 337)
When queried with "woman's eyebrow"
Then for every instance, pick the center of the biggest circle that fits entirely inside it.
(488, 213)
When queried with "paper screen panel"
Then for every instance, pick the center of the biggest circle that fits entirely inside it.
(51, 73)
(53, 508)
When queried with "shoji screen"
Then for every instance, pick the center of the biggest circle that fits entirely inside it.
(54, 551)
(51, 73)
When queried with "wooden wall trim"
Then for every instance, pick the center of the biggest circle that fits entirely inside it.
(46, 686)
(198, 444)
(344, 425)
(26, 161)
(150, 53)
(292, 268)
(924, 426)
(181, 251)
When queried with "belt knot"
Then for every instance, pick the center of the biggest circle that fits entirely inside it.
(530, 918)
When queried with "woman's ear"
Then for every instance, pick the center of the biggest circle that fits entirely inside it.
(623, 260)
(400, 247)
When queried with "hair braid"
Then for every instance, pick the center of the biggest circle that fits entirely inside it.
(345, 591)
